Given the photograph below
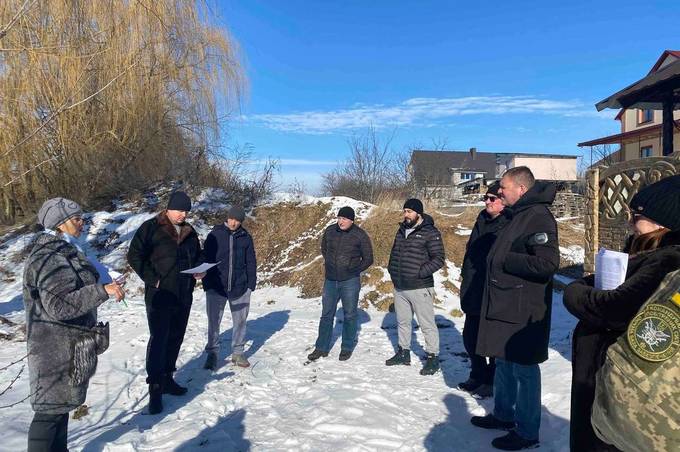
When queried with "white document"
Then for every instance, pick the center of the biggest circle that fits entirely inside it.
(610, 269)
(200, 269)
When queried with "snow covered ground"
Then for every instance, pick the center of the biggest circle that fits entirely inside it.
(281, 402)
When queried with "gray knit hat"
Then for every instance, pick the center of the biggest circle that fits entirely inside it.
(56, 211)
(237, 213)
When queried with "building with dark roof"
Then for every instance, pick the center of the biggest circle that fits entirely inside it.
(447, 175)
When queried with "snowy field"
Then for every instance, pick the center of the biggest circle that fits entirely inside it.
(281, 402)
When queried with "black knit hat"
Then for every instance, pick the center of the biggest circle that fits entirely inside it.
(346, 212)
(660, 202)
(179, 201)
(493, 188)
(236, 213)
(415, 205)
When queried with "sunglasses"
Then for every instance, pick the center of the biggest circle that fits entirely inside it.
(490, 198)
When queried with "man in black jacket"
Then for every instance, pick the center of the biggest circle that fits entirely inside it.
(489, 222)
(233, 280)
(161, 248)
(416, 254)
(515, 318)
(347, 252)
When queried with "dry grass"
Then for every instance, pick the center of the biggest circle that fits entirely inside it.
(276, 228)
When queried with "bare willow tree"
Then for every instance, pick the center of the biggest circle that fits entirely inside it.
(97, 97)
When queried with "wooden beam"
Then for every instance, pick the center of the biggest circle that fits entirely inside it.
(668, 125)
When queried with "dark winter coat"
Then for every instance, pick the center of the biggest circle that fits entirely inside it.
(603, 316)
(346, 253)
(517, 303)
(415, 258)
(473, 273)
(158, 254)
(61, 296)
(237, 268)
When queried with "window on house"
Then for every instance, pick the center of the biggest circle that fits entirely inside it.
(466, 176)
(646, 151)
(645, 116)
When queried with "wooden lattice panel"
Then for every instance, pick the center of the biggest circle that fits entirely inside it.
(609, 192)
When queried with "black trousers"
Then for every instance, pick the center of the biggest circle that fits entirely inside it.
(167, 321)
(48, 433)
(482, 370)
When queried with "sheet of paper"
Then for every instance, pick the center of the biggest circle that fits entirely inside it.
(200, 269)
(610, 269)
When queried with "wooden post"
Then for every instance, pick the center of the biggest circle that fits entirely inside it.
(592, 219)
(668, 123)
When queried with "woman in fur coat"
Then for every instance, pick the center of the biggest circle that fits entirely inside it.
(62, 289)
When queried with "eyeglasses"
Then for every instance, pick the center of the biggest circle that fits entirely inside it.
(490, 198)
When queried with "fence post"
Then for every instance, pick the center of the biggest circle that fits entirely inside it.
(592, 218)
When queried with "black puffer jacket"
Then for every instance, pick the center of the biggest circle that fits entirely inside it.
(415, 258)
(603, 316)
(158, 254)
(346, 253)
(477, 249)
(515, 318)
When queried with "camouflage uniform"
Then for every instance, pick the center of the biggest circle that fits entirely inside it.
(637, 397)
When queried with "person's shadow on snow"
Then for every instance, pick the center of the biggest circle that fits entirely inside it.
(193, 376)
(457, 433)
(225, 436)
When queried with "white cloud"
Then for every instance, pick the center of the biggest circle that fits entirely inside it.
(418, 111)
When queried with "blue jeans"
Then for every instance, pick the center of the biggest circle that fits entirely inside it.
(348, 292)
(517, 396)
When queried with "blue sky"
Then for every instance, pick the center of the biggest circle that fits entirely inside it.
(518, 76)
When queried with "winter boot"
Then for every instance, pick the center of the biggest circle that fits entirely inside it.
(469, 385)
(483, 392)
(171, 387)
(211, 361)
(345, 355)
(403, 356)
(491, 422)
(431, 365)
(240, 360)
(316, 354)
(155, 398)
(512, 441)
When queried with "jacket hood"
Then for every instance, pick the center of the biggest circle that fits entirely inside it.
(541, 193)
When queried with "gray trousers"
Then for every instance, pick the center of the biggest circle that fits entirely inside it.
(214, 304)
(421, 303)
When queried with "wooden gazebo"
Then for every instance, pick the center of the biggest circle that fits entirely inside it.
(659, 90)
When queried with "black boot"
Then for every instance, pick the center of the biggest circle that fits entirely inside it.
(316, 354)
(431, 365)
(345, 355)
(491, 422)
(512, 441)
(469, 385)
(403, 356)
(211, 361)
(171, 387)
(155, 398)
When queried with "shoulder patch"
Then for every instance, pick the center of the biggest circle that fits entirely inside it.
(540, 238)
(654, 334)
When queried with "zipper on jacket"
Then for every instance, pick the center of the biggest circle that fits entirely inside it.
(231, 259)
